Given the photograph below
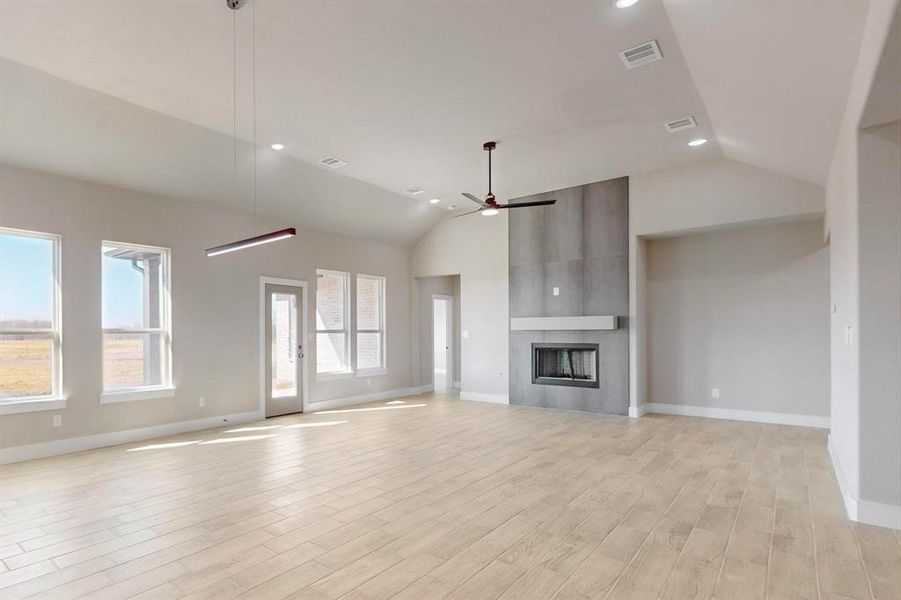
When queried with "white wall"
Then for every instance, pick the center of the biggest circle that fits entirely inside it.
(476, 248)
(703, 196)
(847, 228)
(214, 300)
(746, 311)
(714, 194)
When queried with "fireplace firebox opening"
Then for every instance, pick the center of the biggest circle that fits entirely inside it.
(568, 364)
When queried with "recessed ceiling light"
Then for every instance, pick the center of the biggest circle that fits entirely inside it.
(434, 200)
(489, 212)
(625, 3)
(277, 146)
(697, 142)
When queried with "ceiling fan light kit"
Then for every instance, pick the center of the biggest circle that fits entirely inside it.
(489, 206)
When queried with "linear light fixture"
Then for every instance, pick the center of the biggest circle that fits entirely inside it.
(273, 236)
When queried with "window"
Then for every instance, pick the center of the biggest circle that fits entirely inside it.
(332, 322)
(30, 340)
(370, 323)
(136, 331)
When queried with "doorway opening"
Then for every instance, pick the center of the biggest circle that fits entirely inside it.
(442, 343)
(283, 328)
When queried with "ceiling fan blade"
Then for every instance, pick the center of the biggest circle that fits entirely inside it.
(475, 199)
(472, 212)
(527, 204)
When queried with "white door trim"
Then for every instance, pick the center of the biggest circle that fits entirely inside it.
(449, 334)
(305, 379)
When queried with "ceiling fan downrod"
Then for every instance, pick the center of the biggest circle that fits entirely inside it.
(489, 146)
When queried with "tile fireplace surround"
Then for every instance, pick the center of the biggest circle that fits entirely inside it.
(569, 268)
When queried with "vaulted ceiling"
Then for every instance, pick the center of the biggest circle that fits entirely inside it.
(145, 95)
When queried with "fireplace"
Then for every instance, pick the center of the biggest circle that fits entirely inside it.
(567, 364)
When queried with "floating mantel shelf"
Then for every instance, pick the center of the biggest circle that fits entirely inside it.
(601, 322)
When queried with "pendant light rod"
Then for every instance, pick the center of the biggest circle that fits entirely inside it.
(272, 236)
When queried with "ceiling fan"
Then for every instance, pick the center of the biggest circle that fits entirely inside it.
(489, 206)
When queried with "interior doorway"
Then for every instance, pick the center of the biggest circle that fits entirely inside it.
(282, 352)
(442, 343)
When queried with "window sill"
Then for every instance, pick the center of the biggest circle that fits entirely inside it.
(334, 376)
(139, 394)
(13, 407)
(372, 372)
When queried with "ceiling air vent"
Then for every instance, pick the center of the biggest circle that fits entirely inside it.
(681, 124)
(332, 162)
(641, 55)
(414, 190)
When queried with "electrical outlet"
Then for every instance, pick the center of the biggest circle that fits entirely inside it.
(57, 420)
(715, 393)
(201, 403)
(556, 291)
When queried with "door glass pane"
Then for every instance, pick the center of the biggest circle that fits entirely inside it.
(132, 360)
(369, 350)
(283, 353)
(26, 365)
(26, 282)
(330, 352)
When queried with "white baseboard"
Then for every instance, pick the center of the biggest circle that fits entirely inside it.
(457, 385)
(752, 416)
(480, 397)
(101, 440)
(863, 511)
(638, 411)
(844, 486)
(363, 398)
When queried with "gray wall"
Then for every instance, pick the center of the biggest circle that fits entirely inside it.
(879, 337)
(448, 285)
(744, 310)
(579, 245)
(215, 301)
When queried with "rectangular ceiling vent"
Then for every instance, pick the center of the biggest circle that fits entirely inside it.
(641, 55)
(414, 190)
(681, 124)
(332, 162)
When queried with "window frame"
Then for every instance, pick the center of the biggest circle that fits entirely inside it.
(166, 388)
(55, 399)
(348, 371)
(383, 338)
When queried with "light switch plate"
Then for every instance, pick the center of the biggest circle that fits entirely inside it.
(465, 333)
(556, 291)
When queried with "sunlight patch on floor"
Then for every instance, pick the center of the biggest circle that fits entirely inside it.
(239, 438)
(163, 446)
(316, 424)
(374, 408)
(255, 428)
